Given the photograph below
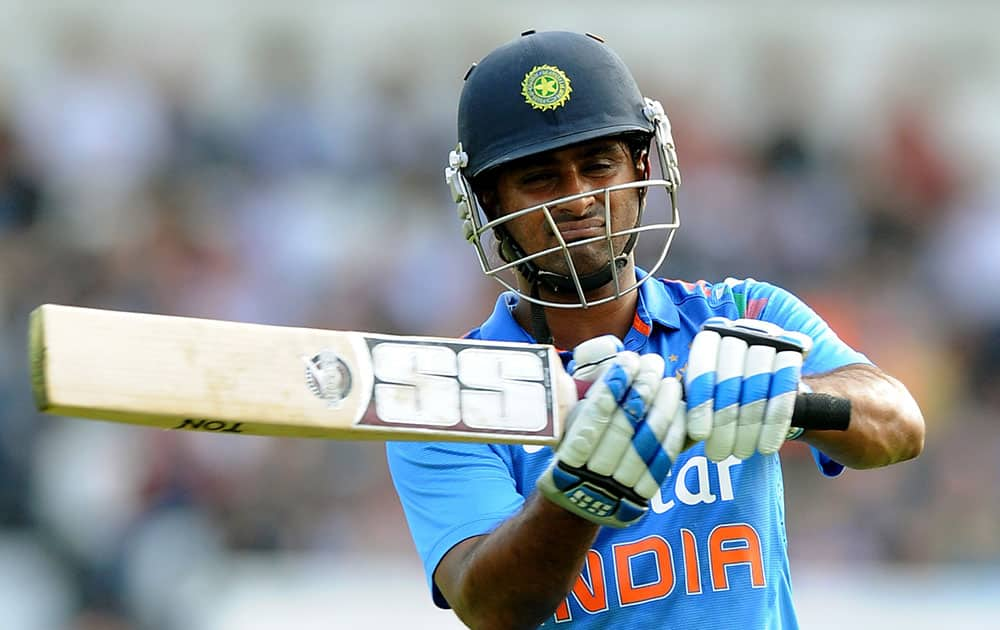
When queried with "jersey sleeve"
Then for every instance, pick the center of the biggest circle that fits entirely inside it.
(829, 351)
(450, 492)
(780, 307)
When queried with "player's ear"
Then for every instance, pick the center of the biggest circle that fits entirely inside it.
(486, 187)
(643, 165)
(488, 200)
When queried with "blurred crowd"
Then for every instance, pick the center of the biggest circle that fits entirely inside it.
(120, 188)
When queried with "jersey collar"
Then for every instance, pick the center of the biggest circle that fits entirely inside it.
(654, 307)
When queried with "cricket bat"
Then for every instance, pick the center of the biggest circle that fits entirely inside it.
(219, 376)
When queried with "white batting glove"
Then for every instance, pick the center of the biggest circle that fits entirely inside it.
(741, 382)
(622, 437)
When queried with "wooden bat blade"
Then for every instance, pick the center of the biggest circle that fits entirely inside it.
(253, 379)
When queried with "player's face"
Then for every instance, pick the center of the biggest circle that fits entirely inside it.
(590, 166)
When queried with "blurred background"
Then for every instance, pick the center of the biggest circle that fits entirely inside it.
(281, 162)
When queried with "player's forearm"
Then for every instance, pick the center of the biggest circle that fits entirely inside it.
(516, 576)
(886, 423)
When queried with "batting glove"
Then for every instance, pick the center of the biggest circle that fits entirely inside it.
(741, 382)
(622, 437)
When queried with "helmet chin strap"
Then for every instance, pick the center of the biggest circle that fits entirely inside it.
(539, 324)
(561, 283)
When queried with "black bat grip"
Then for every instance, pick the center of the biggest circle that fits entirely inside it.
(822, 412)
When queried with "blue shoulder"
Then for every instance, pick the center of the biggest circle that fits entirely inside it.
(750, 298)
(733, 297)
(745, 297)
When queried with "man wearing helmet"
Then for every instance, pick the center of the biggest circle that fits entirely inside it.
(662, 504)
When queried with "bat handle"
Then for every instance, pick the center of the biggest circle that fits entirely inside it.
(821, 412)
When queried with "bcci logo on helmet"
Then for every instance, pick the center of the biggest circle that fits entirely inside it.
(546, 87)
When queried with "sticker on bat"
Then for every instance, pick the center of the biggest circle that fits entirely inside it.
(467, 388)
(328, 377)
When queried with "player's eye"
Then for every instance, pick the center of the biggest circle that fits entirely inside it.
(535, 178)
(601, 167)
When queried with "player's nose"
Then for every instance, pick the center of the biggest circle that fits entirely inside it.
(576, 196)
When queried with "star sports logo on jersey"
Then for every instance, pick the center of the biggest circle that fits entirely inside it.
(546, 87)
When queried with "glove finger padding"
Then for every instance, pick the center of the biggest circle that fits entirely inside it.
(781, 401)
(741, 382)
(699, 383)
(753, 399)
(726, 398)
(629, 416)
(591, 417)
(657, 442)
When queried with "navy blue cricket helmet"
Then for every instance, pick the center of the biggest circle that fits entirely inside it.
(540, 92)
(544, 91)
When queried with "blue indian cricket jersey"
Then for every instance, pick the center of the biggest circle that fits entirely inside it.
(712, 550)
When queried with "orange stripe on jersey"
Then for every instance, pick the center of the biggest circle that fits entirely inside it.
(692, 572)
(722, 556)
(593, 598)
(641, 326)
(628, 591)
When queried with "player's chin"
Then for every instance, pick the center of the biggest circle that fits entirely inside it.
(584, 262)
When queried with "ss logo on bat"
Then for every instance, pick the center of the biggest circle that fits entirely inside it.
(490, 389)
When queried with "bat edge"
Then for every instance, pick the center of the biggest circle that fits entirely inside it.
(37, 359)
(251, 428)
